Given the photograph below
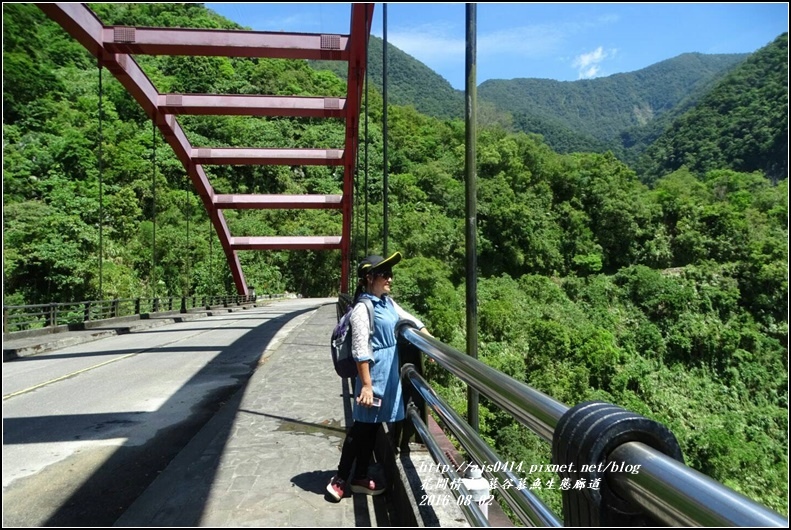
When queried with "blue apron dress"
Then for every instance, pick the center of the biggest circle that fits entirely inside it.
(384, 368)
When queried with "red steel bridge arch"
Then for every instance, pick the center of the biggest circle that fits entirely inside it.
(114, 46)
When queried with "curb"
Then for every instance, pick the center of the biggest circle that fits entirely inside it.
(9, 354)
(53, 341)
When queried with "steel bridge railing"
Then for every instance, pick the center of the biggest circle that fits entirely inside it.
(472, 511)
(49, 318)
(599, 437)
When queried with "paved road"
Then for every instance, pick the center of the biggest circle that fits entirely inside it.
(101, 420)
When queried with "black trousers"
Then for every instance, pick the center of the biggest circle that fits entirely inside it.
(359, 446)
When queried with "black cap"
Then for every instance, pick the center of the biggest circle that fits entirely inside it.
(374, 263)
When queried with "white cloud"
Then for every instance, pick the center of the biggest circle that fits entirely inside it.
(590, 73)
(537, 40)
(429, 44)
(442, 44)
(527, 41)
(588, 64)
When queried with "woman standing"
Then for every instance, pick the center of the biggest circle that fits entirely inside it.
(377, 387)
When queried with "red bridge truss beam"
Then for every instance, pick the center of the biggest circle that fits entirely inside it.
(287, 243)
(224, 43)
(246, 105)
(267, 157)
(362, 16)
(111, 45)
(286, 202)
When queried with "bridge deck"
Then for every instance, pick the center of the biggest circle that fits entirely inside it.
(266, 458)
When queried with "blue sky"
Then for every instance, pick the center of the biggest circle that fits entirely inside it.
(561, 41)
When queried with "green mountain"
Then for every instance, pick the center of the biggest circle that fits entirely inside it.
(409, 82)
(741, 124)
(601, 110)
(622, 113)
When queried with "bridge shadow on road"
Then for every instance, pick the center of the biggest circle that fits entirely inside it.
(130, 469)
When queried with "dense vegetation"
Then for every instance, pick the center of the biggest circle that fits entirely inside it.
(632, 100)
(409, 82)
(742, 123)
(671, 301)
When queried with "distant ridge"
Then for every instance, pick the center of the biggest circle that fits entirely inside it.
(599, 111)
(623, 112)
(410, 82)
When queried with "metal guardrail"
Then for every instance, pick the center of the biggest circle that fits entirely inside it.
(471, 510)
(528, 507)
(48, 317)
(665, 489)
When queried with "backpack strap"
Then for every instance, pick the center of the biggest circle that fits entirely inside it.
(370, 306)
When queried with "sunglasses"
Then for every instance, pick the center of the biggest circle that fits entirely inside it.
(383, 274)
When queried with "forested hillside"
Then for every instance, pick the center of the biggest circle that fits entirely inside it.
(742, 123)
(603, 108)
(671, 301)
(622, 113)
(409, 82)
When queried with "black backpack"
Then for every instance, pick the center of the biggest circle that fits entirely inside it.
(341, 341)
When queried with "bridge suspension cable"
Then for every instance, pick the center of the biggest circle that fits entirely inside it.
(101, 187)
(356, 237)
(188, 261)
(385, 186)
(366, 138)
(154, 207)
